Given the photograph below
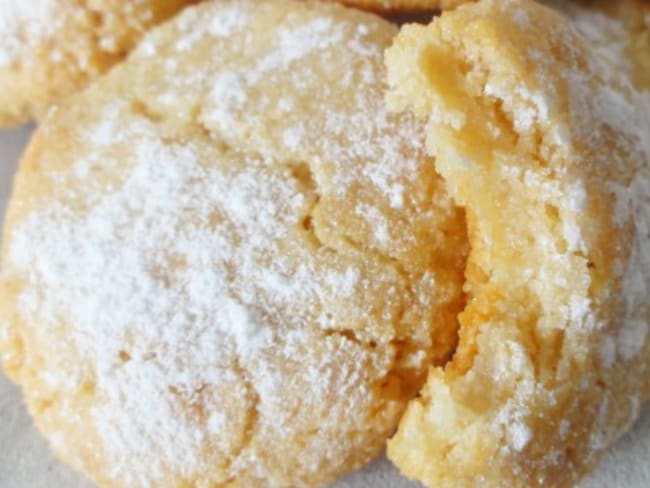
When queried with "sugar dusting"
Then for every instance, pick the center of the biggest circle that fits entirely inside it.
(232, 18)
(605, 33)
(229, 110)
(202, 315)
(21, 20)
(571, 93)
(614, 105)
(147, 254)
(182, 257)
(601, 99)
(628, 113)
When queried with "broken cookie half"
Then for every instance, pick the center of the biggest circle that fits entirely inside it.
(547, 150)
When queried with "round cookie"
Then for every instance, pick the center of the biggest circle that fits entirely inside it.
(619, 29)
(225, 263)
(52, 48)
(544, 142)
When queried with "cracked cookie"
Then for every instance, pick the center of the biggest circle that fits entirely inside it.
(225, 263)
(52, 48)
(545, 145)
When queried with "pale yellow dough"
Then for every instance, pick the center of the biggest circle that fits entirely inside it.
(544, 141)
(225, 263)
(50, 49)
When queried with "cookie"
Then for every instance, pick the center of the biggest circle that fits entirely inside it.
(619, 29)
(544, 143)
(52, 48)
(225, 263)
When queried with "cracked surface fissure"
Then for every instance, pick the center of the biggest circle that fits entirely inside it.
(283, 274)
(302, 173)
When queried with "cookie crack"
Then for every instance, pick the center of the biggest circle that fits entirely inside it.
(397, 382)
(253, 415)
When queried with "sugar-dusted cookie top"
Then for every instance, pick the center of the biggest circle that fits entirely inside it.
(225, 263)
(620, 30)
(543, 138)
(52, 48)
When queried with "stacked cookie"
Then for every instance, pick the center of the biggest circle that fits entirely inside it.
(229, 262)
(52, 48)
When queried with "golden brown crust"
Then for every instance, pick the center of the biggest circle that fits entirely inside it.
(53, 48)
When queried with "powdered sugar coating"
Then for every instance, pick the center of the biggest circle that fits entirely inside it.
(204, 256)
(52, 48)
(542, 134)
(20, 20)
(620, 31)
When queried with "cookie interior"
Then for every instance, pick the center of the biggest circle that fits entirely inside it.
(525, 399)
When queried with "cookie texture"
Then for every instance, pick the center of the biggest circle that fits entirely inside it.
(225, 263)
(52, 48)
(545, 144)
(619, 29)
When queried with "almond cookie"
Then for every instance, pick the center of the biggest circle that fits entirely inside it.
(51, 48)
(546, 147)
(620, 29)
(225, 263)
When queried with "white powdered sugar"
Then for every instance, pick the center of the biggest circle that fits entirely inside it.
(162, 279)
(294, 44)
(233, 18)
(185, 273)
(229, 94)
(511, 421)
(636, 279)
(20, 22)
(626, 111)
(602, 101)
(603, 138)
(606, 131)
(606, 34)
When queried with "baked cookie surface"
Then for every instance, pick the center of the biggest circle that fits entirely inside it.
(51, 48)
(619, 29)
(545, 143)
(225, 263)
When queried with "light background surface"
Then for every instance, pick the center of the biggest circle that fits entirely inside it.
(25, 461)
